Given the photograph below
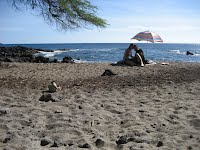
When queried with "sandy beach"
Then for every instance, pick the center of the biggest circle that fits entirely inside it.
(141, 108)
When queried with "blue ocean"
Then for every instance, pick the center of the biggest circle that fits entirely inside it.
(113, 52)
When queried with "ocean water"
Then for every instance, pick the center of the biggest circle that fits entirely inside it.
(113, 52)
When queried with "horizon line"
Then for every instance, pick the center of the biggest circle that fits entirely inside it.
(103, 43)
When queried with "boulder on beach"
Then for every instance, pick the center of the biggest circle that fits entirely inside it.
(68, 59)
(55, 61)
(99, 143)
(45, 141)
(41, 59)
(108, 72)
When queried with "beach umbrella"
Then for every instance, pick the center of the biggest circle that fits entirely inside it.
(148, 36)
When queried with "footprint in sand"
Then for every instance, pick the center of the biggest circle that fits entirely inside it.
(191, 116)
(195, 123)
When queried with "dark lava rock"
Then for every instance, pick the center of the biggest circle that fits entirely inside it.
(67, 59)
(56, 144)
(191, 136)
(160, 143)
(64, 49)
(122, 140)
(45, 142)
(55, 61)
(70, 144)
(17, 51)
(6, 140)
(22, 54)
(189, 53)
(41, 59)
(99, 143)
(108, 72)
(141, 111)
(8, 59)
(17, 54)
(86, 145)
(148, 131)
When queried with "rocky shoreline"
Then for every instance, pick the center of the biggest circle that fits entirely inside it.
(26, 54)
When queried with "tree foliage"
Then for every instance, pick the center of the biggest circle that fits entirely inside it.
(66, 14)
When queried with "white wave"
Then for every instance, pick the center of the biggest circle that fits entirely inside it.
(96, 50)
(49, 54)
(75, 50)
(183, 53)
(82, 61)
(79, 61)
(105, 50)
(177, 52)
(196, 54)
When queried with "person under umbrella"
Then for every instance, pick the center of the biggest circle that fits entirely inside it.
(131, 60)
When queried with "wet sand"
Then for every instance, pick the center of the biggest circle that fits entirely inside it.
(151, 107)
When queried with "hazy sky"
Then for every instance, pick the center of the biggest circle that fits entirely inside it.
(176, 21)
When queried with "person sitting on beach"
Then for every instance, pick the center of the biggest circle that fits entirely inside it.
(53, 87)
(127, 59)
(139, 57)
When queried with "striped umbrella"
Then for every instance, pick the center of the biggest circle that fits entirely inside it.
(148, 36)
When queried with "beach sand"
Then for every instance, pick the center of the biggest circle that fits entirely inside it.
(141, 108)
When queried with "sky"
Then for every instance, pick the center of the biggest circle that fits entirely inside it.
(176, 21)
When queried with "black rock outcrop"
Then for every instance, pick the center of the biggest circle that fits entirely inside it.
(22, 54)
